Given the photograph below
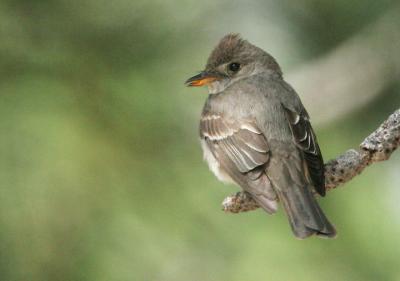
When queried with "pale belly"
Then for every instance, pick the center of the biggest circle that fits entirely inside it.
(213, 164)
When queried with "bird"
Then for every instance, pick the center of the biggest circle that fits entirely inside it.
(256, 133)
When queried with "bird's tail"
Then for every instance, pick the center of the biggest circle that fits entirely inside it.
(305, 215)
(294, 190)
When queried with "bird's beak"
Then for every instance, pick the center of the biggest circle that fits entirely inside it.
(201, 79)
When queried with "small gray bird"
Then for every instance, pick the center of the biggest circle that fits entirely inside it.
(256, 133)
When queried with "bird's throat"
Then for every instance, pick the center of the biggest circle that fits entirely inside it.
(217, 86)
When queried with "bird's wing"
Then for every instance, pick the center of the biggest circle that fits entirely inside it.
(242, 151)
(305, 139)
(243, 143)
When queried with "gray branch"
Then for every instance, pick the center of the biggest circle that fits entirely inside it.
(378, 146)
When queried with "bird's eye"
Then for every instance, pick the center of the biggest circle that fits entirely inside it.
(234, 67)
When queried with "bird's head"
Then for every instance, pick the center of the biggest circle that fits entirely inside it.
(231, 60)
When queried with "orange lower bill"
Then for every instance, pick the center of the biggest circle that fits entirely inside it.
(202, 82)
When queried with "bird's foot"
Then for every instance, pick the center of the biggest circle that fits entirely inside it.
(239, 203)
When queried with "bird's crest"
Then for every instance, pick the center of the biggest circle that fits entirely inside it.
(227, 47)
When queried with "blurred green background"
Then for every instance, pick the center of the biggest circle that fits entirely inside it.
(101, 172)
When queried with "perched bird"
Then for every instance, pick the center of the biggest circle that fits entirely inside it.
(256, 133)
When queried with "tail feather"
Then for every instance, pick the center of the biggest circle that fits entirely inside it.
(305, 215)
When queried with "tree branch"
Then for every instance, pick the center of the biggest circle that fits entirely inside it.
(378, 146)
